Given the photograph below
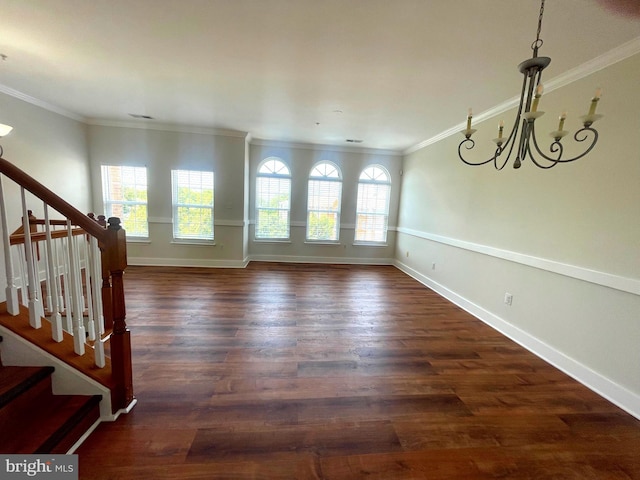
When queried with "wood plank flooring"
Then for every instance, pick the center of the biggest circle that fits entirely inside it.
(290, 371)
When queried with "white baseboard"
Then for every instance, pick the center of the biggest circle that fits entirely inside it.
(326, 260)
(186, 262)
(616, 394)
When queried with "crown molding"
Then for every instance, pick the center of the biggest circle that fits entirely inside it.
(41, 103)
(322, 147)
(165, 127)
(594, 65)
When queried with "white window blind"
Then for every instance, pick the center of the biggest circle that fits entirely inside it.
(372, 208)
(323, 202)
(124, 192)
(273, 200)
(192, 193)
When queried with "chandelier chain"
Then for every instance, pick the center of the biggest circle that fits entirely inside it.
(538, 42)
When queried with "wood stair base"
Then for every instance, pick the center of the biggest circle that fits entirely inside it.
(33, 420)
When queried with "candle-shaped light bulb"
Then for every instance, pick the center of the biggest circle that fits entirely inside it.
(536, 97)
(562, 119)
(594, 101)
(500, 128)
(469, 117)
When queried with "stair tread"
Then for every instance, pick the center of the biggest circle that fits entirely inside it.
(16, 380)
(48, 421)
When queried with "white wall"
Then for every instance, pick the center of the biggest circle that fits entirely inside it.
(52, 148)
(161, 151)
(301, 160)
(565, 242)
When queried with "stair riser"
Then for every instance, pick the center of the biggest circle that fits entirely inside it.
(14, 415)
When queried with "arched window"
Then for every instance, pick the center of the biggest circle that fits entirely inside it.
(323, 202)
(273, 200)
(372, 209)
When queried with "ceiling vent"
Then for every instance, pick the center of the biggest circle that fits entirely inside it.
(137, 115)
(353, 140)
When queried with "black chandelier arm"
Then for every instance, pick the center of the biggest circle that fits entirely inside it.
(582, 135)
(469, 144)
(555, 147)
(499, 151)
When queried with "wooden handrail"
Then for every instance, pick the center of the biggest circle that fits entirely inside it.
(43, 193)
(42, 236)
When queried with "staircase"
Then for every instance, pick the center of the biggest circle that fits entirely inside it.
(34, 420)
(63, 318)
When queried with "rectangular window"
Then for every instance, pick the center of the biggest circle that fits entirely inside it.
(192, 204)
(372, 214)
(272, 208)
(124, 191)
(323, 210)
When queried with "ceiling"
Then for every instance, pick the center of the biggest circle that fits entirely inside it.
(389, 73)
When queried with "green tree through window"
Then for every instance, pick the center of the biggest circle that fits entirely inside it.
(324, 196)
(192, 193)
(124, 192)
(273, 200)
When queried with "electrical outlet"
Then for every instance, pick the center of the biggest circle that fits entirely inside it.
(433, 266)
(407, 253)
(508, 299)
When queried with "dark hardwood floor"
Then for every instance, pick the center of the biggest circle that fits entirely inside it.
(284, 371)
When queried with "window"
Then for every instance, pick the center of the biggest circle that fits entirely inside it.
(372, 209)
(323, 202)
(273, 200)
(192, 204)
(124, 192)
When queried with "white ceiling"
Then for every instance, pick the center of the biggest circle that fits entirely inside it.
(392, 73)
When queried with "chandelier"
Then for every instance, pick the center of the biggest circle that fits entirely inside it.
(526, 144)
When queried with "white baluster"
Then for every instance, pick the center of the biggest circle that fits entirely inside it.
(52, 284)
(68, 320)
(96, 256)
(95, 273)
(91, 326)
(36, 274)
(22, 264)
(76, 294)
(58, 271)
(13, 307)
(34, 303)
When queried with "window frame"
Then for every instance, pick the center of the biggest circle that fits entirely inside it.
(176, 206)
(109, 201)
(280, 177)
(326, 178)
(361, 209)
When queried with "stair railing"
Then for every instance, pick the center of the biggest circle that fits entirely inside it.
(65, 262)
(81, 263)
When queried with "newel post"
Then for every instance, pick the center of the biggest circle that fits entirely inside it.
(115, 262)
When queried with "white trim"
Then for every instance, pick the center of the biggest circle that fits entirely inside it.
(322, 147)
(216, 223)
(605, 60)
(84, 436)
(185, 262)
(165, 127)
(41, 103)
(326, 260)
(344, 226)
(617, 282)
(228, 223)
(194, 242)
(617, 394)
